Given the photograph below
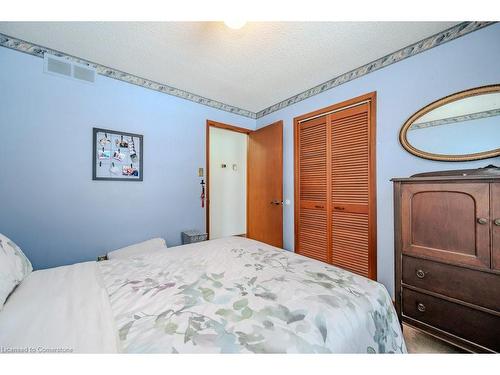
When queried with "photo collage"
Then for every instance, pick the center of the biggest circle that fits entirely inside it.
(117, 156)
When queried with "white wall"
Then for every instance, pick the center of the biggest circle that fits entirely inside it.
(227, 186)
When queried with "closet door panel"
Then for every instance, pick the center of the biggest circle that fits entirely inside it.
(312, 223)
(350, 241)
(312, 236)
(350, 192)
(350, 157)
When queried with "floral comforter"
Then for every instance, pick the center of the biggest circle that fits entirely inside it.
(236, 295)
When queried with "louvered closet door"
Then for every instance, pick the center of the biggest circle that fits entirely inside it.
(311, 215)
(350, 190)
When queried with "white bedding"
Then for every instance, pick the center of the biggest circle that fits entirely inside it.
(64, 309)
(227, 295)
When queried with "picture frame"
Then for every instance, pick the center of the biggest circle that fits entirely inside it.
(117, 155)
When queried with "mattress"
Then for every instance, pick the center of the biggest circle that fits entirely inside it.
(231, 295)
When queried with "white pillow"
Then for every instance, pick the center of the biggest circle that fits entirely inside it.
(141, 248)
(14, 267)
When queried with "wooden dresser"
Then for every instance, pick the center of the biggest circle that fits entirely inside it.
(447, 261)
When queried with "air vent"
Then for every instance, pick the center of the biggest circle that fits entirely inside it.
(64, 68)
(58, 66)
(83, 73)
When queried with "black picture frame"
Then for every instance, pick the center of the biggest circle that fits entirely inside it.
(95, 132)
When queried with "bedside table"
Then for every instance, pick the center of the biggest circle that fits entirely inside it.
(192, 236)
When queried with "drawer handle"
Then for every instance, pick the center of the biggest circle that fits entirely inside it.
(340, 208)
(421, 307)
(482, 220)
(420, 274)
(497, 222)
(319, 206)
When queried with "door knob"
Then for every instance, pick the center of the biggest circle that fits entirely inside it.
(421, 307)
(482, 220)
(420, 274)
(276, 202)
(497, 222)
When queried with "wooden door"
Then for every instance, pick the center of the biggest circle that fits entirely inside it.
(311, 216)
(335, 200)
(447, 222)
(495, 225)
(353, 190)
(265, 185)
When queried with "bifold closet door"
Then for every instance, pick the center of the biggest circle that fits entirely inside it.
(352, 185)
(335, 203)
(312, 219)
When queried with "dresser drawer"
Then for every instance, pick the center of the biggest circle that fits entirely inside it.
(473, 325)
(480, 288)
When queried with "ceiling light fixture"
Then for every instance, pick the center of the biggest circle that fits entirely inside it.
(235, 24)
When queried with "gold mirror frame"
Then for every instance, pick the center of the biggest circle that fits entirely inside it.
(438, 103)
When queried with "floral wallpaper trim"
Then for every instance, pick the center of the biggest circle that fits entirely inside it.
(36, 50)
(455, 119)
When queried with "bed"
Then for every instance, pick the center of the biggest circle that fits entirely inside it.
(231, 295)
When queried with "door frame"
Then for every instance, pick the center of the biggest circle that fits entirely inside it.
(220, 125)
(372, 181)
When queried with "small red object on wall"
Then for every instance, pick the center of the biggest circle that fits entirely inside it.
(202, 183)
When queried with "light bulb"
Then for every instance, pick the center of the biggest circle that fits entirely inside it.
(235, 23)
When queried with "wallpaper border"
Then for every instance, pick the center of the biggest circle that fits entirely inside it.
(435, 40)
(452, 120)
(39, 51)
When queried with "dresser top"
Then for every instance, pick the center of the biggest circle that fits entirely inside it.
(490, 172)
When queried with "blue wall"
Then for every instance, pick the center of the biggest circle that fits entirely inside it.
(402, 89)
(49, 204)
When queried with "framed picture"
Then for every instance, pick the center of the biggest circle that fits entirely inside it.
(117, 155)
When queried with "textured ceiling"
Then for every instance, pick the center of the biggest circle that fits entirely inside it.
(251, 68)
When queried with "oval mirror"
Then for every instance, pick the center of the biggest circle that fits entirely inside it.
(463, 126)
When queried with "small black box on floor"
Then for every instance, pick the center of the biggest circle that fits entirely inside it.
(192, 236)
